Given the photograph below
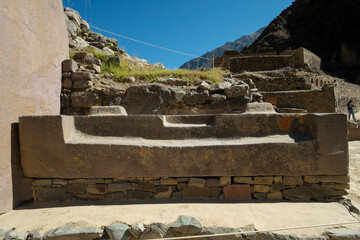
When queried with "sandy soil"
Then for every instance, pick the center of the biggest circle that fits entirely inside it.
(263, 215)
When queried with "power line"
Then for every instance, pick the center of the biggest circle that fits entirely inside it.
(149, 44)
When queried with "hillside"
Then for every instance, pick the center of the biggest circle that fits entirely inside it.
(237, 45)
(327, 28)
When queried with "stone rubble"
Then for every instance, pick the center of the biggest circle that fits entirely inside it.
(183, 226)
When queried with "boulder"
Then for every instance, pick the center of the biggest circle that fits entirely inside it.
(186, 226)
(72, 232)
(82, 84)
(118, 231)
(241, 90)
(69, 66)
(204, 86)
(85, 99)
(193, 98)
(137, 229)
(81, 76)
(154, 230)
(146, 99)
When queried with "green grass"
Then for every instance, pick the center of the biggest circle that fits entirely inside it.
(125, 69)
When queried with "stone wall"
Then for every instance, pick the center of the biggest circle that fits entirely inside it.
(304, 59)
(314, 101)
(260, 63)
(227, 188)
(33, 44)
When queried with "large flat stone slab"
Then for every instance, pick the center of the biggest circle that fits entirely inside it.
(184, 146)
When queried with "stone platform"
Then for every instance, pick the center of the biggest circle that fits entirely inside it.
(233, 156)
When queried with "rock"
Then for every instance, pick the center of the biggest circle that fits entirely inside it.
(343, 234)
(73, 29)
(238, 191)
(173, 81)
(107, 51)
(263, 180)
(229, 80)
(163, 192)
(76, 188)
(81, 76)
(82, 84)
(220, 86)
(138, 195)
(107, 110)
(260, 196)
(237, 91)
(67, 83)
(193, 98)
(168, 181)
(85, 99)
(311, 179)
(186, 226)
(88, 61)
(154, 230)
(84, 26)
(115, 60)
(197, 182)
(243, 180)
(204, 86)
(73, 15)
(224, 181)
(257, 107)
(146, 99)
(293, 180)
(15, 236)
(220, 230)
(212, 182)
(94, 67)
(278, 179)
(78, 43)
(116, 196)
(118, 231)
(42, 182)
(69, 66)
(33, 235)
(191, 192)
(146, 186)
(276, 187)
(159, 65)
(130, 80)
(218, 97)
(311, 192)
(52, 195)
(179, 95)
(137, 229)
(176, 195)
(335, 179)
(60, 182)
(274, 195)
(239, 103)
(83, 55)
(71, 232)
(97, 189)
(261, 188)
(119, 187)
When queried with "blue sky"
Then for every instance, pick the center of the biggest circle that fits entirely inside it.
(191, 26)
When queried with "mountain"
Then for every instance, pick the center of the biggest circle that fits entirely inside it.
(328, 28)
(237, 45)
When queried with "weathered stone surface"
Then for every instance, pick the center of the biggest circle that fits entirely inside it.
(97, 188)
(335, 179)
(197, 182)
(193, 98)
(276, 187)
(81, 76)
(52, 195)
(130, 80)
(186, 226)
(314, 192)
(137, 229)
(173, 81)
(107, 110)
(341, 186)
(33, 46)
(85, 99)
(163, 192)
(146, 99)
(220, 230)
(146, 186)
(256, 107)
(343, 234)
(218, 97)
(243, 180)
(118, 231)
(69, 66)
(212, 182)
(115, 196)
(82, 55)
(14, 235)
(72, 232)
(95, 180)
(274, 195)
(67, 83)
(89, 61)
(191, 192)
(154, 230)
(278, 179)
(293, 180)
(76, 188)
(237, 91)
(60, 181)
(168, 181)
(166, 150)
(118, 187)
(260, 196)
(138, 195)
(94, 67)
(224, 181)
(41, 182)
(238, 191)
(263, 180)
(204, 86)
(311, 179)
(176, 195)
(261, 188)
(82, 84)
